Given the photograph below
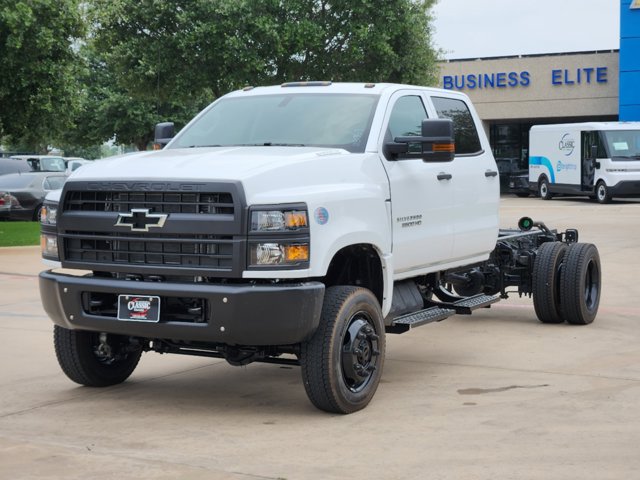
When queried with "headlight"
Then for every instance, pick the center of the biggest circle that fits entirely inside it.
(49, 246)
(279, 236)
(282, 254)
(278, 220)
(49, 214)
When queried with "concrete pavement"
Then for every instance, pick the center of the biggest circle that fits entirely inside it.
(492, 396)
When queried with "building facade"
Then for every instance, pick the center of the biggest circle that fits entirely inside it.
(511, 94)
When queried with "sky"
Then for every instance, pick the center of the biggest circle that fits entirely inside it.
(493, 28)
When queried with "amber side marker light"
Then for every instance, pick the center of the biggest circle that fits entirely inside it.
(444, 147)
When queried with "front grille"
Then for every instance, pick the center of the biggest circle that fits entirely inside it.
(193, 251)
(217, 203)
(204, 232)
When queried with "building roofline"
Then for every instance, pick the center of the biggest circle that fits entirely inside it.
(531, 55)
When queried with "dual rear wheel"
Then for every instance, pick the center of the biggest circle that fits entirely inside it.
(566, 283)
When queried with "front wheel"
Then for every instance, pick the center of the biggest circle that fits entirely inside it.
(602, 193)
(95, 359)
(342, 363)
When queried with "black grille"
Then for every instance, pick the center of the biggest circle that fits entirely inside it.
(220, 203)
(194, 251)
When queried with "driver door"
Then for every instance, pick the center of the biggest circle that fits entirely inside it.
(421, 194)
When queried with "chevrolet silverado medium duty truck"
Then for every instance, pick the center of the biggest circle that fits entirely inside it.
(296, 224)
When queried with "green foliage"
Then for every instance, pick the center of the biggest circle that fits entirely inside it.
(146, 61)
(17, 234)
(39, 67)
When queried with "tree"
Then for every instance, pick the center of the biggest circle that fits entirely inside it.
(153, 60)
(39, 69)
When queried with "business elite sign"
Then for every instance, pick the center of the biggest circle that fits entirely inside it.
(558, 76)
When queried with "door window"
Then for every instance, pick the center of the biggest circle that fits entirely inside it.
(464, 128)
(406, 120)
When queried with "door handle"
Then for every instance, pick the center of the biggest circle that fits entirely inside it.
(444, 176)
(490, 173)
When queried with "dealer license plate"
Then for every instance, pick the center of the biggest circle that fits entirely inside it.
(139, 308)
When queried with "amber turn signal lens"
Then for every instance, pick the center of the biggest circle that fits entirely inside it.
(295, 219)
(297, 253)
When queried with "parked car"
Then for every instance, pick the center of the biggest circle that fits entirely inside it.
(22, 194)
(73, 163)
(43, 163)
(10, 165)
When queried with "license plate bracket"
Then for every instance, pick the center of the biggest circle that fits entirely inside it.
(139, 308)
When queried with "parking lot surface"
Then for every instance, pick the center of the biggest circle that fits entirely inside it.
(494, 395)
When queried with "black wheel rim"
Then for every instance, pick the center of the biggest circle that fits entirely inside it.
(592, 286)
(360, 352)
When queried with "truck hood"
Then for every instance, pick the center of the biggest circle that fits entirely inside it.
(219, 163)
(269, 175)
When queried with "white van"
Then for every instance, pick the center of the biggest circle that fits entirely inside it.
(597, 159)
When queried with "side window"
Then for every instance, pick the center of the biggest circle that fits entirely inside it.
(466, 135)
(406, 117)
(406, 120)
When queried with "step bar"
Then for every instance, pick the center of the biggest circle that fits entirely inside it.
(439, 311)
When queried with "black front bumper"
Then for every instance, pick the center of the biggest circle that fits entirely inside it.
(240, 314)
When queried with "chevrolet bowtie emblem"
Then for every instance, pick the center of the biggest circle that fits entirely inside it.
(140, 220)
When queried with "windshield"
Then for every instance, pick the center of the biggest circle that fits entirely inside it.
(305, 119)
(623, 144)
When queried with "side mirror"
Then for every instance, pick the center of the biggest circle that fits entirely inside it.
(164, 132)
(436, 143)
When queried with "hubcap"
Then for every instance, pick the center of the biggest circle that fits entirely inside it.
(543, 189)
(602, 192)
(360, 353)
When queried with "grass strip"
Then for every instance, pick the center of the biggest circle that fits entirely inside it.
(18, 234)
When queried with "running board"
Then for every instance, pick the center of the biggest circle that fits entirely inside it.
(421, 317)
(469, 304)
(439, 311)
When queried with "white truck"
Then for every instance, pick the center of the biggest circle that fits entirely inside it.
(597, 159)
(296, 224)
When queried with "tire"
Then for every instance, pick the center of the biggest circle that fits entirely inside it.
(543, 189)
(602, 193)
(37, 213)
(546, 282)
(79, 358)
(580, 284)
(342, 363)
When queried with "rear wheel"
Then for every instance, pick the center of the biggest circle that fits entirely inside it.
(95, 359)
(546, 281)
(580, 284)
(543, 189)
(342, 363)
